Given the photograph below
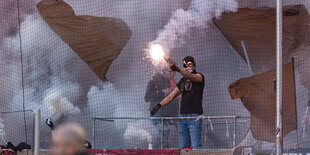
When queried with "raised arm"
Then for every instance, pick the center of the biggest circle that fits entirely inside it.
(185, 73)
(191, 76)
(175, 93)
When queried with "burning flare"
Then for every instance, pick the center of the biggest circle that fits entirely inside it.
(157, 51)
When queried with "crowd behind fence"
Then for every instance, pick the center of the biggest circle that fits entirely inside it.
(17, 126)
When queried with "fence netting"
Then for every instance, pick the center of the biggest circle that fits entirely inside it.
(89, 62)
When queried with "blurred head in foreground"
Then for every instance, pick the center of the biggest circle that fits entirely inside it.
(69, 139)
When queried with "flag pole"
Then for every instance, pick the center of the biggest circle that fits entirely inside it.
(297, 141)
(279, 131)
(247, 57)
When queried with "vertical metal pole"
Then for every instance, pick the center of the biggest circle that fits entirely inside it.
(279, 140)
(93, 132)
(162, 133)
(205, 136)
(247, 57)
(234, 134)
(33, 122)
(37, 132)
(293, 64)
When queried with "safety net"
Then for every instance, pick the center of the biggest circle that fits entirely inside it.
(105, 64)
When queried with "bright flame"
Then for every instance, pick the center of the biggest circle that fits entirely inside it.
(157, 51)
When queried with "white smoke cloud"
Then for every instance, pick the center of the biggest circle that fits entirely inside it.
(140, 132)
(107, 101)
(46, 58)
(50, 77)
(198, 16)
(48, 84)
(57, 104)
(136, 133)
(101, 100)
(55, 85)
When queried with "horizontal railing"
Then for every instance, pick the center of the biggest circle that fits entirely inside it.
(111, 119)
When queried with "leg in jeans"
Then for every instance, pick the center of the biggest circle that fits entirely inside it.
(183, 134)
(195, 133)
(157, 139)
(166, 133)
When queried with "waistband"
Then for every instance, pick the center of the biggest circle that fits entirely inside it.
(189, 115)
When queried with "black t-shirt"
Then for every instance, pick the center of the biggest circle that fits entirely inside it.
(191, 102)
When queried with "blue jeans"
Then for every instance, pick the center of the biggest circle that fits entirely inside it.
(189, 132)
(157, 143)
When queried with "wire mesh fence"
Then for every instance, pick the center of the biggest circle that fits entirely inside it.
(97, 63)
(17, 127)
(217, 131)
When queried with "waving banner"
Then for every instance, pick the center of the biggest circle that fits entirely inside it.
(97, 40)
(258, 95)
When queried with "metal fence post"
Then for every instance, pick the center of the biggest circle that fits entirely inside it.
(234, 134)
(93, 132)
(37, 131)
(279, 138)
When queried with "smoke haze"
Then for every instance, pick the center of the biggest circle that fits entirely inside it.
(198, 16)
(56, 78)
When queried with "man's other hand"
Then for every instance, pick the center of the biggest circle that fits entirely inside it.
(155, 109)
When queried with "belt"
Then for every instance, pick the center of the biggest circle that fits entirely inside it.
(189, 114)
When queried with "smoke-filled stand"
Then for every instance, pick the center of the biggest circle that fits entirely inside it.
(175, 77)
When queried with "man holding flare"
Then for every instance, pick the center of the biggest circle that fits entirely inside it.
(191, 89)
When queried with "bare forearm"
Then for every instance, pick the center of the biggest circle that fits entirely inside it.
(191, 76)
(166, 100)
(176, 92)
(186, 74)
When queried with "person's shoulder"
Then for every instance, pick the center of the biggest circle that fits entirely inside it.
(181, 81)
(157, 76)
(203, 77)
(199, 73)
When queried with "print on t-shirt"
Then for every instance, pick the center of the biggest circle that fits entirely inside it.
(187, 85)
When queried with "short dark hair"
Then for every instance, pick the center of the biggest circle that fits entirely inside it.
(187, 59)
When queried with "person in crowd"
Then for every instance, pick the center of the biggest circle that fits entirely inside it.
(191, 89)
(69, 139)
(49, 122)
(158, 88)
(10, 149)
